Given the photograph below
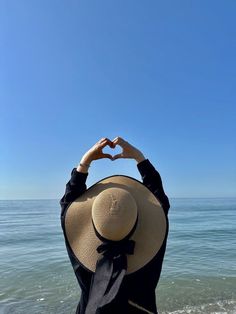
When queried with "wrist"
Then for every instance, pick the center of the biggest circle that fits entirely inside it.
(140, 158)
(84, 164)
(82, 167)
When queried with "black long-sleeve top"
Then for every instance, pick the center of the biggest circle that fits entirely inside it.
(139, 287)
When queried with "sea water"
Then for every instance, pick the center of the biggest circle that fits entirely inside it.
(199, 270)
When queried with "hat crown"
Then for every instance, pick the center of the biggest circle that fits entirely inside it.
(114, 213)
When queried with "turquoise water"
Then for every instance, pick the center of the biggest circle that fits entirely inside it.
(199, 271)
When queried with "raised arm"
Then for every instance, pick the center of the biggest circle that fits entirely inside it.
(74, 188)
(150, 176)
(77, 184)
(152, 180)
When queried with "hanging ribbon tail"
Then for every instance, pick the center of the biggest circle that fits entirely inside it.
(109, 274)
(115, 287)
(99, 284)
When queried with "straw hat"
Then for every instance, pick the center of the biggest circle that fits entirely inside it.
(115, 208)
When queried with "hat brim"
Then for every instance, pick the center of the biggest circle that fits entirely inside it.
(149, 235)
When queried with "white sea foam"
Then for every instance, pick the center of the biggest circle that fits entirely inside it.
(220, 307)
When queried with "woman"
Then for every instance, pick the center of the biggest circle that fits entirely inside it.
(136, 290)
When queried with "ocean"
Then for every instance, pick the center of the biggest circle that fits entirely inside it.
(199, 270)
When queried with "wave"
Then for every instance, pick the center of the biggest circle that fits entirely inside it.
(219, 307)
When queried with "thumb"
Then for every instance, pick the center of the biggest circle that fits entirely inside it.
(107, 156)
(118, 156)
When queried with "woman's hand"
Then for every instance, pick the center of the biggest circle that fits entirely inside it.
(94, 153)
(128, 151)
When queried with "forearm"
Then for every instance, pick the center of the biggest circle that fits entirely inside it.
(152, 180)
(140, 158)
(74, 188)
(77, 184)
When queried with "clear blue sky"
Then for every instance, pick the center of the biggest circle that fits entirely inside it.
(161, 74)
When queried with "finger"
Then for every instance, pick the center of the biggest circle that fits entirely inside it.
(112, 145)
(118, 140)
(107, 156)
(109, 142)
(105, 143)
(102, 140)
(118, 156)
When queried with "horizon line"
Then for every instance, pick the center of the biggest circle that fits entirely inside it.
(174, 197)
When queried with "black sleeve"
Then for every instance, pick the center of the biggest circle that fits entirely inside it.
(152, 180)
(74, 188)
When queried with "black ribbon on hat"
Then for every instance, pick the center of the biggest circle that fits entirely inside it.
(110, 270)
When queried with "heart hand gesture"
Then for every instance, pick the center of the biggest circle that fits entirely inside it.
(94, 153)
